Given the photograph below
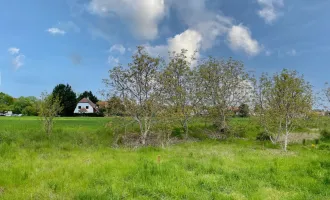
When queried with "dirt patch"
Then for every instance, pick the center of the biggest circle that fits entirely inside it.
(2, 190)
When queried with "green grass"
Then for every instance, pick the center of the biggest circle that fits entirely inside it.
(78, 162)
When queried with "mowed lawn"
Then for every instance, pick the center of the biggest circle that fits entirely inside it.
(78, 162)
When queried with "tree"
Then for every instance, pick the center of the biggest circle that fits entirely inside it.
(139, 89)
(226, 85)
(243, 110)
(67, 98)
(89, 95)
(50, 107)
(6, 102)
(20, 104)
(283, 101)
(115, 107)
(178, 92)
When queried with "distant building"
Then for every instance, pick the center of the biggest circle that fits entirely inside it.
(86, 106)
(9, 113)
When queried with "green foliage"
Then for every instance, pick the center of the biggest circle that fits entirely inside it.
(263, 136)
(325, 134)
(88, 94)
(324, 146)
(115, 107)
(6, 102)
(67, 98)
(283, 101)
(50, 107)
(243, 110)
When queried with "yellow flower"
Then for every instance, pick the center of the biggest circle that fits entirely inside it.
(313, 145)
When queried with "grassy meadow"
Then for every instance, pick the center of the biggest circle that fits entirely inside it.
(78, 161)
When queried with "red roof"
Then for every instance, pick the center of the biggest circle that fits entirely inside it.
(85, 100)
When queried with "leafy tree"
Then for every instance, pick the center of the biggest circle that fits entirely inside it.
(243, 110)
(139, 89)
(178, 88)
(50, 107)
(30, 110)
(6, 102)
(20, 104)
(115, 107)
(89, 95)
(226, 85)
(67, 98)
(5, 99)
(283, 101)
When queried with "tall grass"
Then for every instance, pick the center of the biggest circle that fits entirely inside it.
(78, 162)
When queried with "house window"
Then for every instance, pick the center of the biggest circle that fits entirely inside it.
(87, 107)
(79, 107)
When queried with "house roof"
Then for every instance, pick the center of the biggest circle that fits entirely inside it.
(85, 100)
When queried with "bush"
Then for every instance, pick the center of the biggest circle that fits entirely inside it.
(324, 147)
(263, 136)
(325, 134)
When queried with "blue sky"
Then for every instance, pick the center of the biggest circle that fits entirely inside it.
(44, 43)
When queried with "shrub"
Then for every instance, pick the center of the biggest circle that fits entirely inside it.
(317, 141)
(263, 136)
(324, 147)
(325, 134)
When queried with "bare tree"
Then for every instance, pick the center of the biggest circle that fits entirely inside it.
(226, 85)
(139, 89)
(283, 100)
(49, 108)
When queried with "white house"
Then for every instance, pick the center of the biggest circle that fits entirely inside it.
(86, 106)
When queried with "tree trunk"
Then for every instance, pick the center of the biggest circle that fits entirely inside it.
(286, 134)
(185, 128)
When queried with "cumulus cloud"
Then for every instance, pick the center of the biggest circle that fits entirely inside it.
(143, 15)
(189, 40)
(270, 10)
(205, 27)
(13, 50)
(56, 31)
(239, 38)
(118, 47)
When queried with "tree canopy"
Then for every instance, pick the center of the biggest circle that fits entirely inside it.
(67, 97)
(88, 94)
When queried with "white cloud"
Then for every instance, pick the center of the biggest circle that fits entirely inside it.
(113, 61)
(204, 26)
(18, 58)
(118, 47)
(55, 31)
(240, 38)
(18, 61)
(62, 28)
(270, 9)
(143, 15)
(292, 52)
(190, 40)
(13, 50)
